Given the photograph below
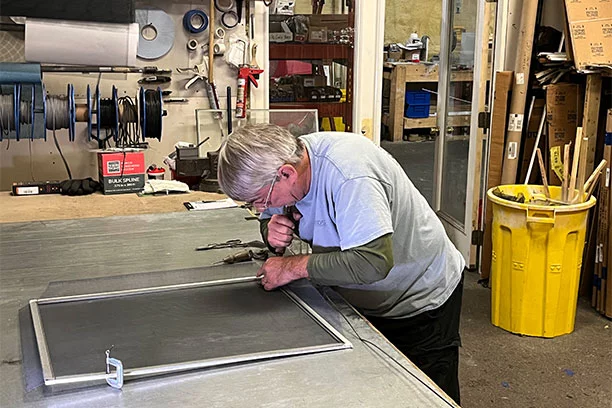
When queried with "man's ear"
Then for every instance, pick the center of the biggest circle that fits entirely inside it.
(287, 171)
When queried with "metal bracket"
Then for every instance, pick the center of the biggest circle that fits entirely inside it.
(114, 382)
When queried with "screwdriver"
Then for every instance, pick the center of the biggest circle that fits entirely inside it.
(243, 256)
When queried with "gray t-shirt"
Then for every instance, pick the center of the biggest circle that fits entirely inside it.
(358, 193)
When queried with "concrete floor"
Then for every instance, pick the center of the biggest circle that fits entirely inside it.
(500, 369)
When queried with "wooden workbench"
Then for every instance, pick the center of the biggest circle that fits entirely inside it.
(59, 207)
(401, 73)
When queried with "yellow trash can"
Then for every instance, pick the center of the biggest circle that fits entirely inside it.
(536, 261)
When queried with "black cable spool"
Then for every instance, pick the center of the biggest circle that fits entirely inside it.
(153, 114)
(107, 113)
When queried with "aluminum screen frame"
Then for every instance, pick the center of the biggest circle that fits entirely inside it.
(50, 379)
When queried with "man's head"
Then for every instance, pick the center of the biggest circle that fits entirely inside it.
(257, 160)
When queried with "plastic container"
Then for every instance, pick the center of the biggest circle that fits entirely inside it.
(417, 111)
(418, 98)
(536, 262)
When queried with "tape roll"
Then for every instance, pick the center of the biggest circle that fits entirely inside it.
(219, 48)
(192, 45)
(195, 21)
(224, 5)
(229, 19)
(156, 33)
(220, 33)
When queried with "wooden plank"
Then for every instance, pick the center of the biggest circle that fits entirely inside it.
(396, 103)
(519, 91)
(606, 183)
(503, 84)
(592, 101)
(432, 121)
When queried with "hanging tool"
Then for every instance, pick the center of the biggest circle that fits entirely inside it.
(244, 256)
(239, 4)
(247, 74)
(229, 110)
(232, 243)
(155, 79)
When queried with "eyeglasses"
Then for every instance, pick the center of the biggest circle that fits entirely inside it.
(267, 201)
(265, 206)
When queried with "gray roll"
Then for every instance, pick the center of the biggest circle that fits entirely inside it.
(161, 23)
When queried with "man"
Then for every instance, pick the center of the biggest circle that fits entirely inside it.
(373, 235)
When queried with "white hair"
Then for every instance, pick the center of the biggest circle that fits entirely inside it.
(250, 157)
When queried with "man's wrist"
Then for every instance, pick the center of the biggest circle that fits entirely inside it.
(298, 265)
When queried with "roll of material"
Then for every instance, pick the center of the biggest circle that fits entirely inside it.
(156, 30)
(87, 43)
(195, 21)
(192, 45)
(219, 48)
(229, 19)
(224, 5)
(12, 73)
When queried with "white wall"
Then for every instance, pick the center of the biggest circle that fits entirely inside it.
(179, 125)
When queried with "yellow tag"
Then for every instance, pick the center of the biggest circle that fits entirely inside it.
(556, 162)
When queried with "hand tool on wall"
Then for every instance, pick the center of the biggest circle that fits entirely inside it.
(247, 74)
(155, 79)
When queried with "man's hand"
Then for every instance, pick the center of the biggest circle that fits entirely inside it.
(280, 270)
(280, 231)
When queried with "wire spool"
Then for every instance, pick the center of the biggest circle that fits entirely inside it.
(7, 114)
(151, 113)
(98, 125)
(195, 21)
(89, 110)
(116, 106)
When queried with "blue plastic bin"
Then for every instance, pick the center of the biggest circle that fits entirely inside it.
(418, 98)
(417, 111)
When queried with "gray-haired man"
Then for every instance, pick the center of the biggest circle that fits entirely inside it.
(374, 237)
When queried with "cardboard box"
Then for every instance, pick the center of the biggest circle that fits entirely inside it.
(562, 116)
(590, 25)
(121, 172)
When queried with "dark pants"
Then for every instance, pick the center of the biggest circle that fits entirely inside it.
(431, 341)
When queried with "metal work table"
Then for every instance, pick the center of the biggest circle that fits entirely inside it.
(34, 254)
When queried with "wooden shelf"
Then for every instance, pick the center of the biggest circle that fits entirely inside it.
(402, 73)
(290, 51)
(325, 109)
(432, 121)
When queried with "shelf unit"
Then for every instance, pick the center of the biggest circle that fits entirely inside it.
(402, 73)
(339, 53)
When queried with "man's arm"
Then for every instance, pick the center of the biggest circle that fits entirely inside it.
(361, 265)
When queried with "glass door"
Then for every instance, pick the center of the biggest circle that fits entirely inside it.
(463, 68)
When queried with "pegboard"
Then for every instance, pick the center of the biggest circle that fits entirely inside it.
(39, 160)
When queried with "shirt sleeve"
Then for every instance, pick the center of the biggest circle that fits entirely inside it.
(362, 211)
(361, 265)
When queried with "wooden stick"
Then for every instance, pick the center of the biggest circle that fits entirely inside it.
(211, 41)
(572, 186)
(590, 184)
(543, 172)
(565, 183)
(582, 165)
